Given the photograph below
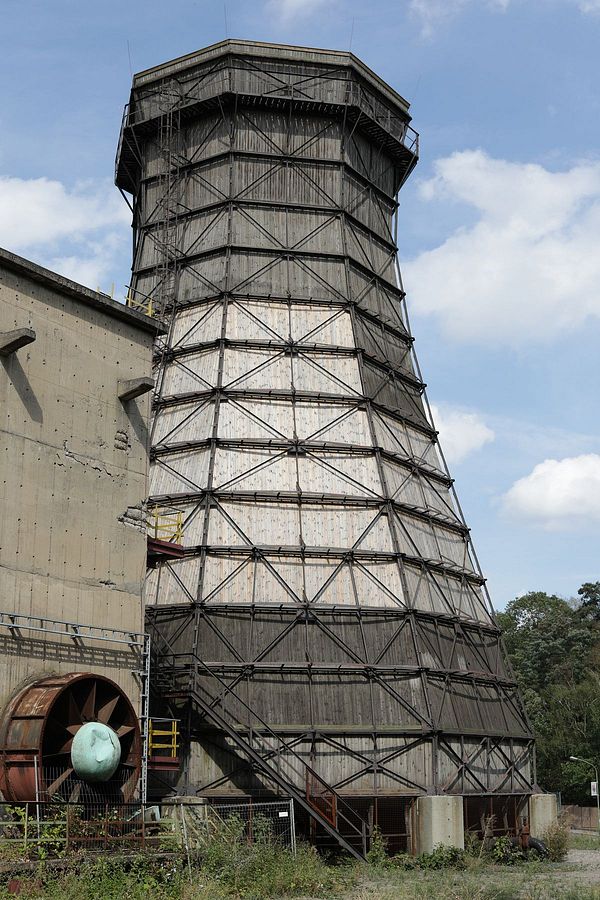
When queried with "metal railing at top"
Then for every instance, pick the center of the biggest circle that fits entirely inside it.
(231, 78)
(165, 524)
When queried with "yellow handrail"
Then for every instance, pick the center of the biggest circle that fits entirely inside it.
(146, 306)
(171, 733)
(165, 524)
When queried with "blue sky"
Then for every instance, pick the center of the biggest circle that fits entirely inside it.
(499, 226)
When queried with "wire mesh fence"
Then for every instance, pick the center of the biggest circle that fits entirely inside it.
(259, 821)
(51, 829)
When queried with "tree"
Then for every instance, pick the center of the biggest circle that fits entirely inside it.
(590, 602)
(546, 640)
(554, 648)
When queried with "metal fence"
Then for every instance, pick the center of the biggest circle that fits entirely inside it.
(274, 820)
(51, 829)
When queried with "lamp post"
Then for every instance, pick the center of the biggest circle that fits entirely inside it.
(587, 761)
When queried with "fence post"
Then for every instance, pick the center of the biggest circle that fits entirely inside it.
(292, 827)
(25, 830)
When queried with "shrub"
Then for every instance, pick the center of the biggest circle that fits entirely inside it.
(556, 839)
(504, 850)
(442, 857)
(264, 868)
(378, 855)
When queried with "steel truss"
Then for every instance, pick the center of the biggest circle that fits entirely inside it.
(328, 621)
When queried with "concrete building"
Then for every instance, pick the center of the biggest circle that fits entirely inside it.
(74, 379)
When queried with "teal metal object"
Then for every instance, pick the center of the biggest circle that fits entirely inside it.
(95, 752)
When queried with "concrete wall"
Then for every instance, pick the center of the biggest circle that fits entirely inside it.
(73, 478)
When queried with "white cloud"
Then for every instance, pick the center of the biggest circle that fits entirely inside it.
(432, 13)
(40, 211)
(289, 10)
(461, 432)
(78, 232)
(529, 268)
(558, 494)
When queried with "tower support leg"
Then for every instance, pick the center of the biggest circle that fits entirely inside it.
(440, 820)
(543, 811)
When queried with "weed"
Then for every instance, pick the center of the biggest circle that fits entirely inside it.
(378, 855)
(556, 839)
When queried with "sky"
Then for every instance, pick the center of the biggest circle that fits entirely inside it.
(499, 229)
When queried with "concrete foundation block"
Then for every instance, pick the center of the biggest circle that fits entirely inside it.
(543, 811)
(440, 820)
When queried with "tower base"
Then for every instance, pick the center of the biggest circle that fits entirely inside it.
(440, 820)
(543, 812)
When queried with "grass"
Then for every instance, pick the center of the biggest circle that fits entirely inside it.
(580, 841)
(227, 868)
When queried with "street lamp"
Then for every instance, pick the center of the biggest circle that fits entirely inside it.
(587, 761)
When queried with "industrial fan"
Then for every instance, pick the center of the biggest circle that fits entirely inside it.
(76, 737)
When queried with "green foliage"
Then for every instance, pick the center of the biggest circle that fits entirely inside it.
(545, 639)
(590, 600)
(506, 852)
(442, 857)
(554, 647)
(377, 855)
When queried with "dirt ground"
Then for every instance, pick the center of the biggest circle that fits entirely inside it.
(577, 878)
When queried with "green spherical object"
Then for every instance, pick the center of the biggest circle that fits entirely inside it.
(95, 752)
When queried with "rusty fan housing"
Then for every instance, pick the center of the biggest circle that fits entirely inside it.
(36, 735)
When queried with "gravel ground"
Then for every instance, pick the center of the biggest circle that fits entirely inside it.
(584, 865)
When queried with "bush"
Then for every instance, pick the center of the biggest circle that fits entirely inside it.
(556, 839)
(378, 855)
(506, 851)
(442, 857)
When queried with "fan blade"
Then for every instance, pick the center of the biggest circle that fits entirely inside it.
(74, 711)
(123, 730)
(89, 707)
(129, 784)
(66, 748)
(107, 709)
(52, 788)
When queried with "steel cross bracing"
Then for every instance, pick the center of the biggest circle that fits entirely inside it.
(327, 561)
(268, 744)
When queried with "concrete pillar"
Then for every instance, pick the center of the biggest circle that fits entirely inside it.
(543, 811)
(440, 820)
